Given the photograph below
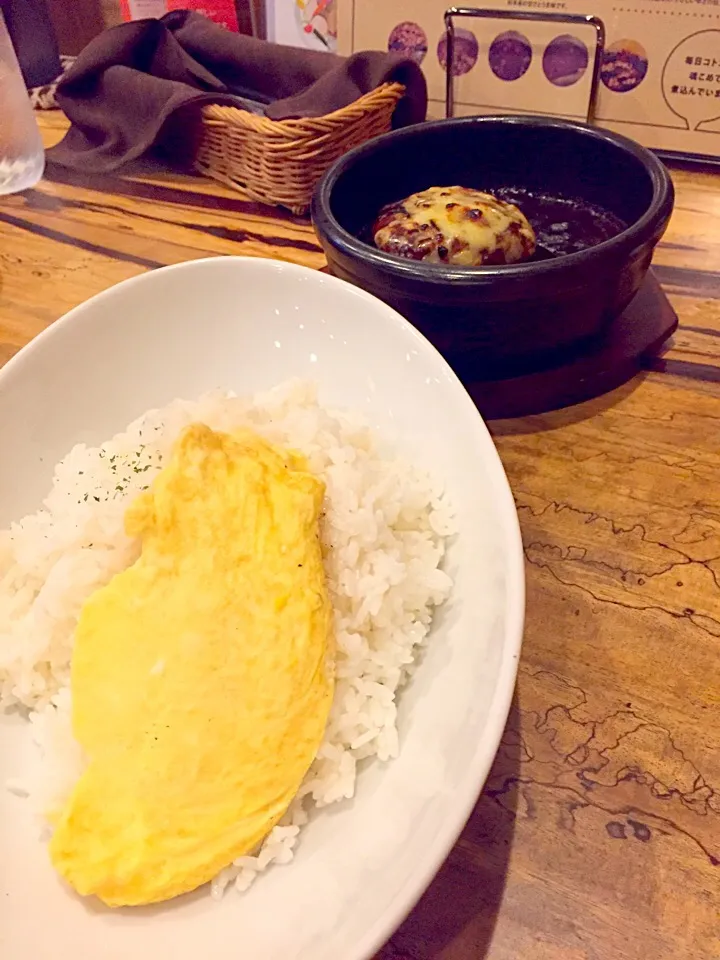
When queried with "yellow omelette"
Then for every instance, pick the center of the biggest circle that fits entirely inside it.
(201, 675)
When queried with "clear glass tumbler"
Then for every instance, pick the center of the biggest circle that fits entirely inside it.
(22, 158)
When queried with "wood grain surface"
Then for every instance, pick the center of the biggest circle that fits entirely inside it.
(598, 834)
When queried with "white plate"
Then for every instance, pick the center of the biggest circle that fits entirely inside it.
(247, 324)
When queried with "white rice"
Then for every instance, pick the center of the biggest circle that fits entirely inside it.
(383, 535)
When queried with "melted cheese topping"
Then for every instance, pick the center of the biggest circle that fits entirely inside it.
(200, 675)
(455, 225)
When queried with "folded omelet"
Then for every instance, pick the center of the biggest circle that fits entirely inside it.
(201, 676)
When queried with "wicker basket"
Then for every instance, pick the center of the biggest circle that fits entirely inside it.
(280, 161)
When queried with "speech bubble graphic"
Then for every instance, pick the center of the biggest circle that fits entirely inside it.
(691, 79)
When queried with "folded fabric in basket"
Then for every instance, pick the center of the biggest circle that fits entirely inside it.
(129, 83)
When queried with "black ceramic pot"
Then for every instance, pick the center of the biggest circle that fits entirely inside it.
(499, 318)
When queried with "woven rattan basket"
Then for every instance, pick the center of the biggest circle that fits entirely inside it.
(280, 161)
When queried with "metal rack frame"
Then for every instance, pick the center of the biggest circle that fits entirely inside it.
(487, 14)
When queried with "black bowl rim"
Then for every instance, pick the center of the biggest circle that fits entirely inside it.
(637, 233)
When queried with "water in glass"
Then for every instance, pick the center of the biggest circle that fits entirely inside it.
(22, 158)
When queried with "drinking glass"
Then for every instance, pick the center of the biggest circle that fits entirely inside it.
(22, 158)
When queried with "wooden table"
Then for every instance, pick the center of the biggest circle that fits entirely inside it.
(598, 834)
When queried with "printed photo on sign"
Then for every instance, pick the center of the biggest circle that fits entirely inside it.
(303, 23)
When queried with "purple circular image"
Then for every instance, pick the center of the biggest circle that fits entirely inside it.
(565, 60)
(624, 65)
(465, 51)
(510, 55)
(408, 38)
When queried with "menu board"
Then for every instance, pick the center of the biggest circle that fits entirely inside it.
(659, 74)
